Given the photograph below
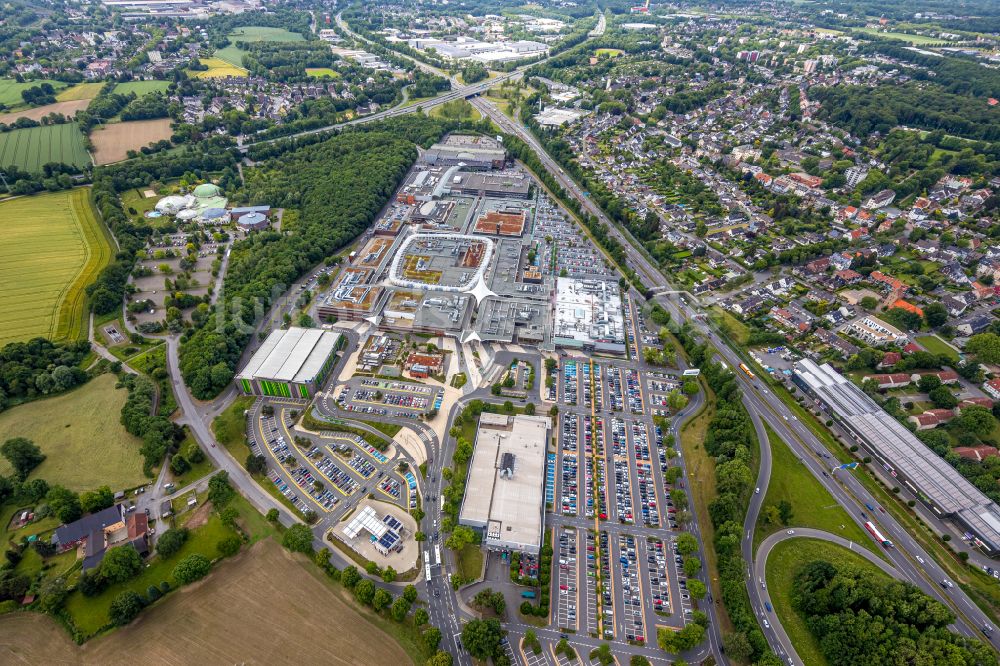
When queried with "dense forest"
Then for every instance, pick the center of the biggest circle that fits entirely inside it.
(861, 617)
(285, 61)
(338, 185)
(863, 110)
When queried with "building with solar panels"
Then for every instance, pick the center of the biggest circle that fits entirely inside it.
(386, 533)
(937, 484)
(291, 363)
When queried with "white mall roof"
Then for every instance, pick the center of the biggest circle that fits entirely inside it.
(292, 355)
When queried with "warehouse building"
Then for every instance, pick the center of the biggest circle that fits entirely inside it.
(508, 471)
(291, 363)
(891, 445)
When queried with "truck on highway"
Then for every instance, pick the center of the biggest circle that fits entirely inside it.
(870, 526)
(529, 594)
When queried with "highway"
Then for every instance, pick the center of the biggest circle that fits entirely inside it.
(908, 556)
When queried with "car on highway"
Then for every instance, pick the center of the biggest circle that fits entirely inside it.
(790, 532)
(945, 583)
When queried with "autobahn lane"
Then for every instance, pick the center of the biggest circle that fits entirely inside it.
(907, 555)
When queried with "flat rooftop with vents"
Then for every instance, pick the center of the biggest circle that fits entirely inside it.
(506, 476)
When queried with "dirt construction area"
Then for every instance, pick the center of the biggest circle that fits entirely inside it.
(263, 607)
(113, 141)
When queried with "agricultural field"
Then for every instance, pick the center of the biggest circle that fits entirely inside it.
(87, 91)
(218, 68)
(10, 90)
(67, 108)
(256, 33)
(33, 147)
(56, 240)
(113, 140)
(611, 53)
(277, 597)
(231, 54)
(78, 431)
(141, 88)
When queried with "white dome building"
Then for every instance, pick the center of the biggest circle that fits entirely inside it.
(172, 204)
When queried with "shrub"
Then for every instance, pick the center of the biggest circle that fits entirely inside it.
(191, 568)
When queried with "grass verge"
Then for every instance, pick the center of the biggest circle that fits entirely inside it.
(701, 486)
(812, 505)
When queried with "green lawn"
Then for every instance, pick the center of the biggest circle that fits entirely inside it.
(322, 72)
(79, 432)
(787, 558)
(732, 326)
(936, 345)
(255, 33)
(469, 562)
(141, 88)
(230, 428)
(90, 614)
(812, 505)
(10, 90)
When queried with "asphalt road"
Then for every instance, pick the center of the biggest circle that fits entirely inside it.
(759, 594)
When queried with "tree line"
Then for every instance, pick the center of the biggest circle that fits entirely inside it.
(731, 440)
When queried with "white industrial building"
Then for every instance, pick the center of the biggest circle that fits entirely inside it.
(506, 478)
(291, 363)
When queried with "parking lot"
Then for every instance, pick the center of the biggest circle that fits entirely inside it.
(321, 473)
(387, 398)
(632, 619)
(605, 428)
(566, 582)
(573, 253)
(656, 559)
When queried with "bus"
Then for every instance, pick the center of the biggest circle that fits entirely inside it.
(427, 571)
(437, 554)
(870, 526)
(746, 371)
